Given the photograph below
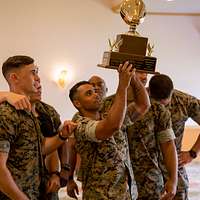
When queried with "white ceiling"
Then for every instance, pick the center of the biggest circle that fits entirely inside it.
(175, 6)
(161, 6)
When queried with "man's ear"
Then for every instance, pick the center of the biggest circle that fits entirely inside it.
(12, 77)
(76, 104)
(106, 89)
(165, 101)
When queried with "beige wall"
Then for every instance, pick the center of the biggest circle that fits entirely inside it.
(190, 135)
(58, 33)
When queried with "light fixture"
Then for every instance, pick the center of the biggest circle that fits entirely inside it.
(62, 78)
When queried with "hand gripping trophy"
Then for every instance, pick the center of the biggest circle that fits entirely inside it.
(131, 46)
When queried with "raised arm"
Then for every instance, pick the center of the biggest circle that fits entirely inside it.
(7, 183)
(106, 127)
(141, 99)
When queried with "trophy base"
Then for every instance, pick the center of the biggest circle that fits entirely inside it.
(132, 44)
(112, 60)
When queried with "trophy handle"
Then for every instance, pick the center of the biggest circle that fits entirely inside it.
(150, 49)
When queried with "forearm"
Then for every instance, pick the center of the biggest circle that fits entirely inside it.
(71, 156)
(9, 187)
(141, 97)
(52, 162)
(113, 122)
(170, 159)
(51, 144)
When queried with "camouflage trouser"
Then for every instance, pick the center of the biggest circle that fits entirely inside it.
(49, 196)
(183, 184)
(181, 194)
(149, 197)
(52, 196)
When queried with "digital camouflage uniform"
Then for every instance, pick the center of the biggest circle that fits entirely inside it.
(144, 137)
(49, 121)
(20, 136)
(105, 165)
(183, 106)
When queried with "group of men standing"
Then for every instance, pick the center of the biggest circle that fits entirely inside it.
(129, 143)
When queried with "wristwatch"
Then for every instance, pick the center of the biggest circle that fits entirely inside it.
(55, 172)
(65, 166)
(193, 154)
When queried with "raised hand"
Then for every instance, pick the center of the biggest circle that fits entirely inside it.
(67, 128)
(126, 72)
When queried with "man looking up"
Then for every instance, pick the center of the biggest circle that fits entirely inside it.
(21, 143)
(100, 142)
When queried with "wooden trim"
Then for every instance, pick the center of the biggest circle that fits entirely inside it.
(116, 9)
(174, 14)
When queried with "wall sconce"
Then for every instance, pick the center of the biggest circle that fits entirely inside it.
(62, 78)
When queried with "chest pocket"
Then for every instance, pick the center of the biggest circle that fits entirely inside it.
(28, 134)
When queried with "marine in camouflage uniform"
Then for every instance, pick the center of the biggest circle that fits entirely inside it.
(105, 169)
(49, 121)
(144, 136)
(182, 107)
(21, 138)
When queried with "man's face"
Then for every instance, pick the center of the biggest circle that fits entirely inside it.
(28, 80)
(99, 85)
(87, 98)
(142, 77)
(37, 96)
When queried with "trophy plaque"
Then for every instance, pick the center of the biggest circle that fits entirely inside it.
(131, 46)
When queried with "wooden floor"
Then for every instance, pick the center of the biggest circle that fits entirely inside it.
(193, 171)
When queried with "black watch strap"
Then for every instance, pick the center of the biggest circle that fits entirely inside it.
(65, 166)
(193, 154)
(55, 172)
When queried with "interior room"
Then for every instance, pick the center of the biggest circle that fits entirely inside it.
(67, 40)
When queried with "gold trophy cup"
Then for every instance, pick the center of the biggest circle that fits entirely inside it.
(131, 46)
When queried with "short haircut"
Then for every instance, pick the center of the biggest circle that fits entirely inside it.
(160, 86)
(15, 62)
(73, 90)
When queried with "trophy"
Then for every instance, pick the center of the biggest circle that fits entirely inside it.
(131, 46)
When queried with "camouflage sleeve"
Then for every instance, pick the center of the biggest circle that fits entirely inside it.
(193, 108)
(86, 129)
(164, 131)
(7, 129)
(166, 135)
